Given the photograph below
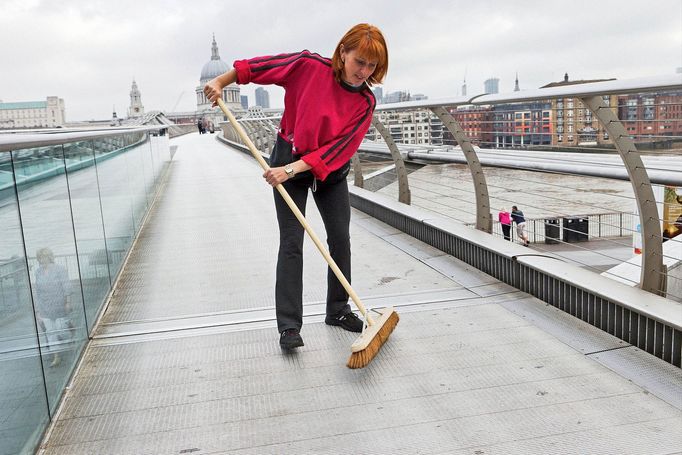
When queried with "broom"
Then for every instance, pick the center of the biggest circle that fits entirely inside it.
(375, 333)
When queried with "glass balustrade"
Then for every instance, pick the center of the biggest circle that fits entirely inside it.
(69, 211)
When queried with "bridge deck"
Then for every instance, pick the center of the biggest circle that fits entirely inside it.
(186, 358)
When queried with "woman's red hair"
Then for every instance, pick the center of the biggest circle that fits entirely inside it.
(368, 41)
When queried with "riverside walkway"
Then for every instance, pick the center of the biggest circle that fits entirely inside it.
(186, 357)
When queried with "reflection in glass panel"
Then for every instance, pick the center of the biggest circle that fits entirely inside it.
(53, 264)
(6, 176)
(161, 155)
(136, 177)
(23, 404)
(148, 170)
(87, 221)
(78, 222)
(112, 172)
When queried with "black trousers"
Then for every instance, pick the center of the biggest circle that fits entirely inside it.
(334, 205)
(506, 231)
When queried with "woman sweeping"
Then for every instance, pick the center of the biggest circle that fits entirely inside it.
(328, 108)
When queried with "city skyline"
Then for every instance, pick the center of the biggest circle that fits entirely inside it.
(95, 50)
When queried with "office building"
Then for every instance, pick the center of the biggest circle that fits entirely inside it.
(573, 123)
(378, 94)
(262, 98)
(491, 85)
(33, 114)
(521, 125)
(653, 120)
(397, 97)
(476, 121)
(420, 126)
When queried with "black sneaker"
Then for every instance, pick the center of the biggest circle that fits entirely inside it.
(349, 321)
(290, 339)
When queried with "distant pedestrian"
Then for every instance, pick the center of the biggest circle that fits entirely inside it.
(520, 220)
(505, 222)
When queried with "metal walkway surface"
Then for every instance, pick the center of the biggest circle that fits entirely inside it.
(186, 358)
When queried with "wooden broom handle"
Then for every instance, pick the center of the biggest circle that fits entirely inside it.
(294, 208)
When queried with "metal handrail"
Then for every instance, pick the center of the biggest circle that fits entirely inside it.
(613, 87)
(535, 161)
(260, 119)
(21, 141)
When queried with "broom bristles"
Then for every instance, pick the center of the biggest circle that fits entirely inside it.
(362, 357)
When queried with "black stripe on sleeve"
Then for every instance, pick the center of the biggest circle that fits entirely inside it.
(273, 57)
(298, 56)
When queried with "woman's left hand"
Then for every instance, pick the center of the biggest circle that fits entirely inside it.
(212, 91)
(275, 176)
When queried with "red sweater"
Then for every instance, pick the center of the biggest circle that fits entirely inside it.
(323, 119)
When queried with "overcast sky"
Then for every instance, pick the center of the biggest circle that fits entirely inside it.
(88, 52)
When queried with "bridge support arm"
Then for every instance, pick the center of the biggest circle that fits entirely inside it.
(484, 221)
(652, 272)
(403, 185)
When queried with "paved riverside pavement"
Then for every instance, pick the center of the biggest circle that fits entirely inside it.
(186, 359)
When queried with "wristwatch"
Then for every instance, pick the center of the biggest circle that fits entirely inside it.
(289, 170)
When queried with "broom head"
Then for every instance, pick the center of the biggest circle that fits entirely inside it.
(367, 345)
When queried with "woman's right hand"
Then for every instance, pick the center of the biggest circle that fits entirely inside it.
(275, 175)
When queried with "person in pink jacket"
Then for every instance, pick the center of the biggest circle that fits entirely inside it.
(328, 108)
(505, 221)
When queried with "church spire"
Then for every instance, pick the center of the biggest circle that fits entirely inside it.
(136, 108)
(516, 84)
(214, 50)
